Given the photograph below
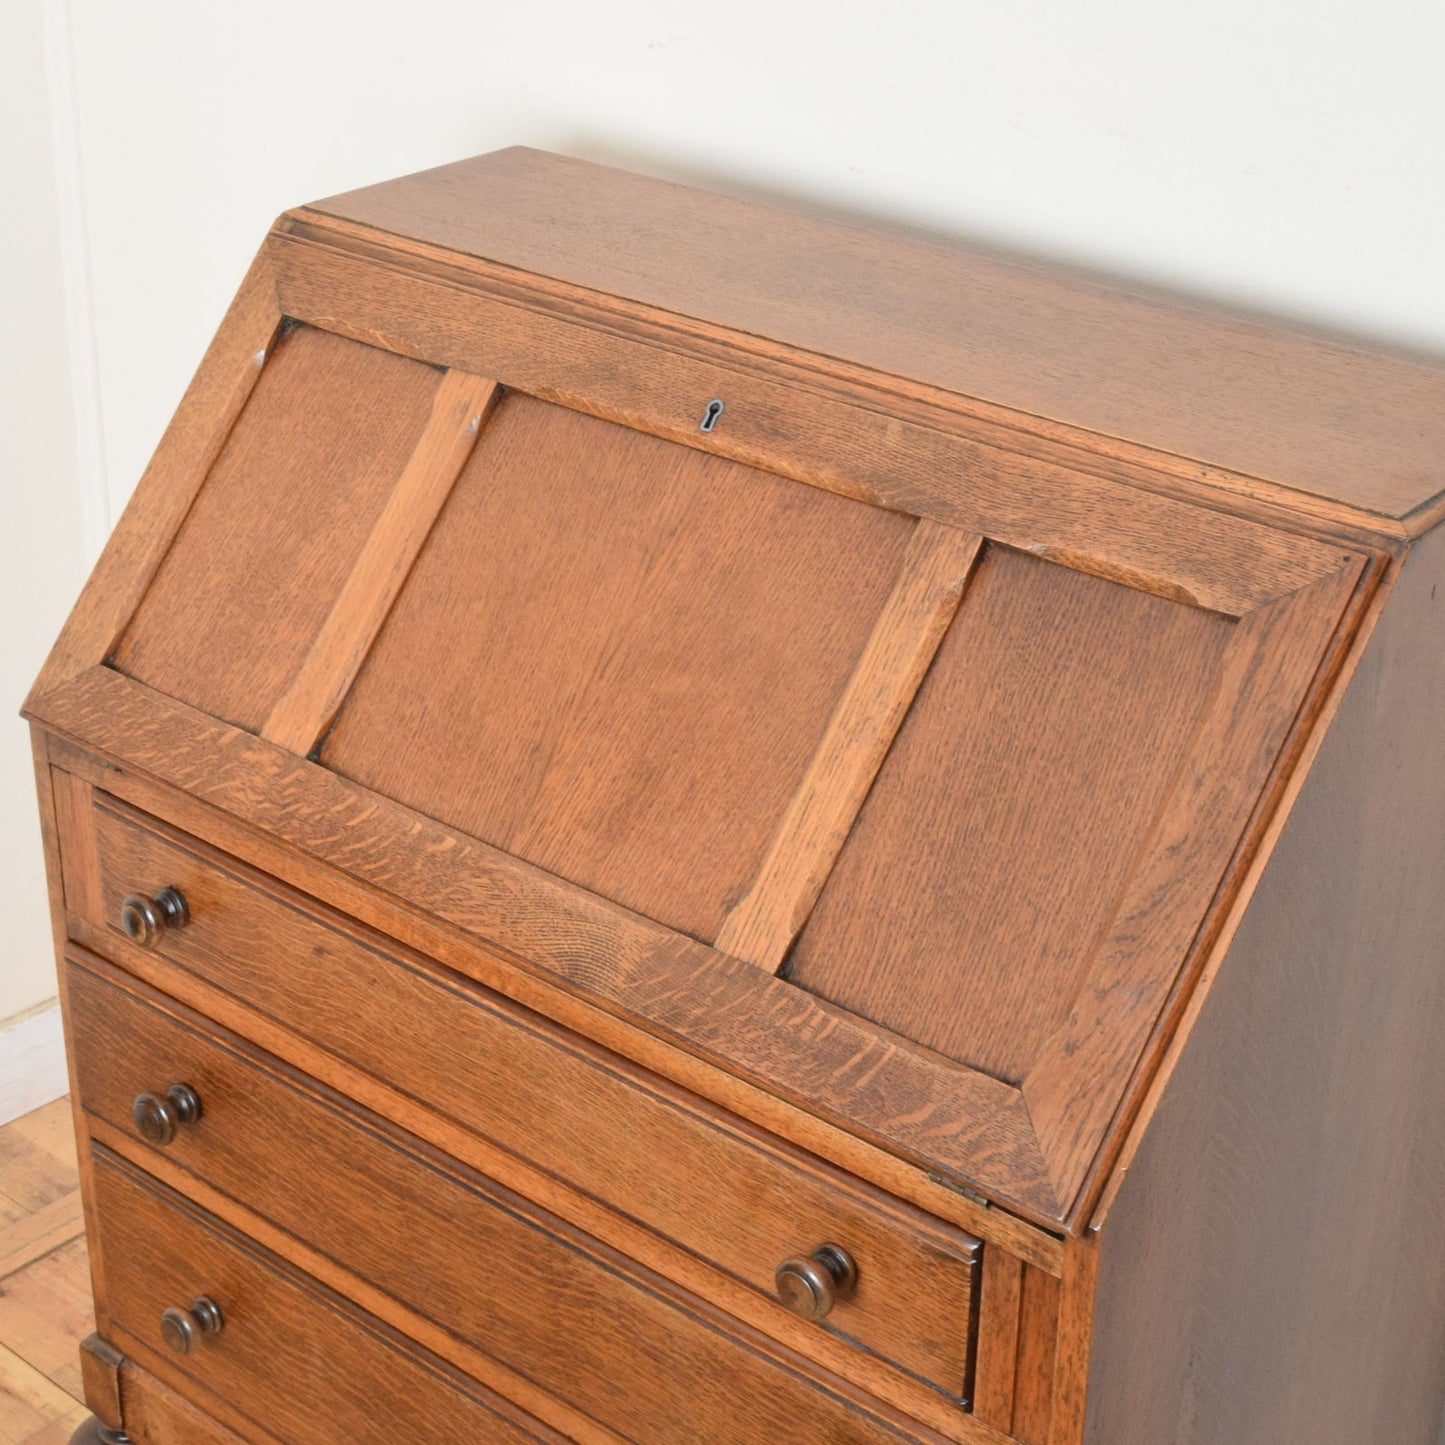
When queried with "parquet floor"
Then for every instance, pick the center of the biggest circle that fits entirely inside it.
(45, 1308)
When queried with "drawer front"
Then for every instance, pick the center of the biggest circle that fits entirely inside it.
(302, 1367)
(725, 1194)
(456, 1249)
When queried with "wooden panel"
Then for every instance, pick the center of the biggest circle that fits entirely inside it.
(1191, 989)
(1284, 1209)
(221, 387)
(914, 459)
(1078, 1296)
(968, 901)
(65, 805)
(299, 1366)
(74, 804)
(243, 591)
(953, 1120)
(1363, 427)
(732, 1200)
(1000, 1317)
(959, 1122)
(532, 1297)
(100, 1371)
(1038, 1353)
(306, 708)
(762, 927)
(1265, 683)
(927, 1411)
(538, 990)
(159, 1416)
(627, 687)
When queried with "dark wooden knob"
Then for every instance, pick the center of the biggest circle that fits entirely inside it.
(182, 1329)
(811, 1287)
(144, 919)
(158, 1116)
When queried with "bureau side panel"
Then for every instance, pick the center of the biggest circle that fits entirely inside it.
(1271, 1270)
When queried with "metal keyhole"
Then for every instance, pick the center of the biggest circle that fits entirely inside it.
(711, 415)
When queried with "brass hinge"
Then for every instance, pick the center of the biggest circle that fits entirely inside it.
(972, 1195)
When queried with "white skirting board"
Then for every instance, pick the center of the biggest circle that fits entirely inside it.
(32, 1062)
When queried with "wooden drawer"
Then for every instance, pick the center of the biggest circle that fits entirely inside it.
(290, 1358)
(521, 1287)
(723, 1192)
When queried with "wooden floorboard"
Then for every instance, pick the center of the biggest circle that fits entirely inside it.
(45, 1304)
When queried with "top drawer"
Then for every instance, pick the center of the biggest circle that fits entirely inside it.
(722, 1191)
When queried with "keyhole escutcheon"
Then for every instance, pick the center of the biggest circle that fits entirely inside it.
(711, 415)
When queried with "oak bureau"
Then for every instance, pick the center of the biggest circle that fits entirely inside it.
(674, 822)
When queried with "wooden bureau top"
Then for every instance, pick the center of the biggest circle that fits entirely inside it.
(1362, 429)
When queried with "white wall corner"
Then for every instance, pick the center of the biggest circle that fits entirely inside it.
(32, 1061)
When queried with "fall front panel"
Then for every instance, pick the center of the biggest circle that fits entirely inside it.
(990, 857)
(277, 528)
(615, 658)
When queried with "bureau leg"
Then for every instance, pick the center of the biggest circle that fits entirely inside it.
(94, 1433)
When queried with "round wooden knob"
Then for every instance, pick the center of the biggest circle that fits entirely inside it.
(182, 1329)
(158, 1116)
(143, 919)
(811, 1287)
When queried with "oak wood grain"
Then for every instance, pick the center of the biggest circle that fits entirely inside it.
(866, 1376)
(1191, 989)
(856, 443)
(988, 861)
(159, 1416)
(1265, 676)
(607, 689)
(222, 385)
(288, 1357)
(948, 1118)
(628, 691)
(1343, 422)
(423, 939)
(656, 1398)
(243, 591)
(305, 709)
(64, 803)
(100, 1366)
(1039, 1342)
(1078, 1298)
(762, 926)
(740, 1203)
(1280, 1206)
(955, 1119)
(1000, 1319)
(74, 803)
(1027, 438)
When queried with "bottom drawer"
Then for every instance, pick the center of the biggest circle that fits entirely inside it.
(305, 1369)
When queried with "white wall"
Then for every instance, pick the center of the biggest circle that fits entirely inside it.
(1278, 154)
(40, 530)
